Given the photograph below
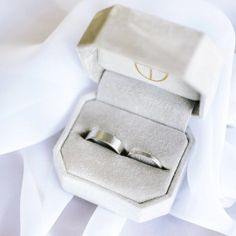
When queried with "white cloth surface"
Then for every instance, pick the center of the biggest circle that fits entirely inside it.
(40, 81)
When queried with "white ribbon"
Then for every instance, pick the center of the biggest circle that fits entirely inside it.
(104, 222)
(39, 90)
(42, 199)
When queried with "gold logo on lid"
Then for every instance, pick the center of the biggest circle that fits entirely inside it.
(147, 73)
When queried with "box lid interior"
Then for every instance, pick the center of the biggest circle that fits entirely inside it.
(172, 57)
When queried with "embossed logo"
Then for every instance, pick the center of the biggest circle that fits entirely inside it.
(148, 73)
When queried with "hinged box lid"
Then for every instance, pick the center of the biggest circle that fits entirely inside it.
(178, 59)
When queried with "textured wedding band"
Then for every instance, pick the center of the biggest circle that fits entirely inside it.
(146, 158)
(105, 139)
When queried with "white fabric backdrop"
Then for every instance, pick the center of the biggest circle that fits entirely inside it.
(37, 57)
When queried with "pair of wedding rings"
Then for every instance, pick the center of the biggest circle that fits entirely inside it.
(113, 143)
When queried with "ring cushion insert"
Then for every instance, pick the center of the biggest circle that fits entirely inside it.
(139, 115)
(145, 100)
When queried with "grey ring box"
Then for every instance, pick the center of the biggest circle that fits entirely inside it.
(152, 76)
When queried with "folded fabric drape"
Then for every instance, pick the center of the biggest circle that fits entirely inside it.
(38, 88)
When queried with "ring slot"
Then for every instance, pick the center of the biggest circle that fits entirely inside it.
(113, 143)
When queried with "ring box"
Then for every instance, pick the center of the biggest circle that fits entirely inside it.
(152, 76)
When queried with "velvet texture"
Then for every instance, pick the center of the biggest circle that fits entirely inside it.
(119, 37)
(153, 75)
(128, 117)
(145, 100)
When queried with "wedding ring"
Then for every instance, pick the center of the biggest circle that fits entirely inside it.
(146, 157)
(113, 143)
(105, 139)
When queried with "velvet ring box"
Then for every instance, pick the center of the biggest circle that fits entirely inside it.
(152, 75)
